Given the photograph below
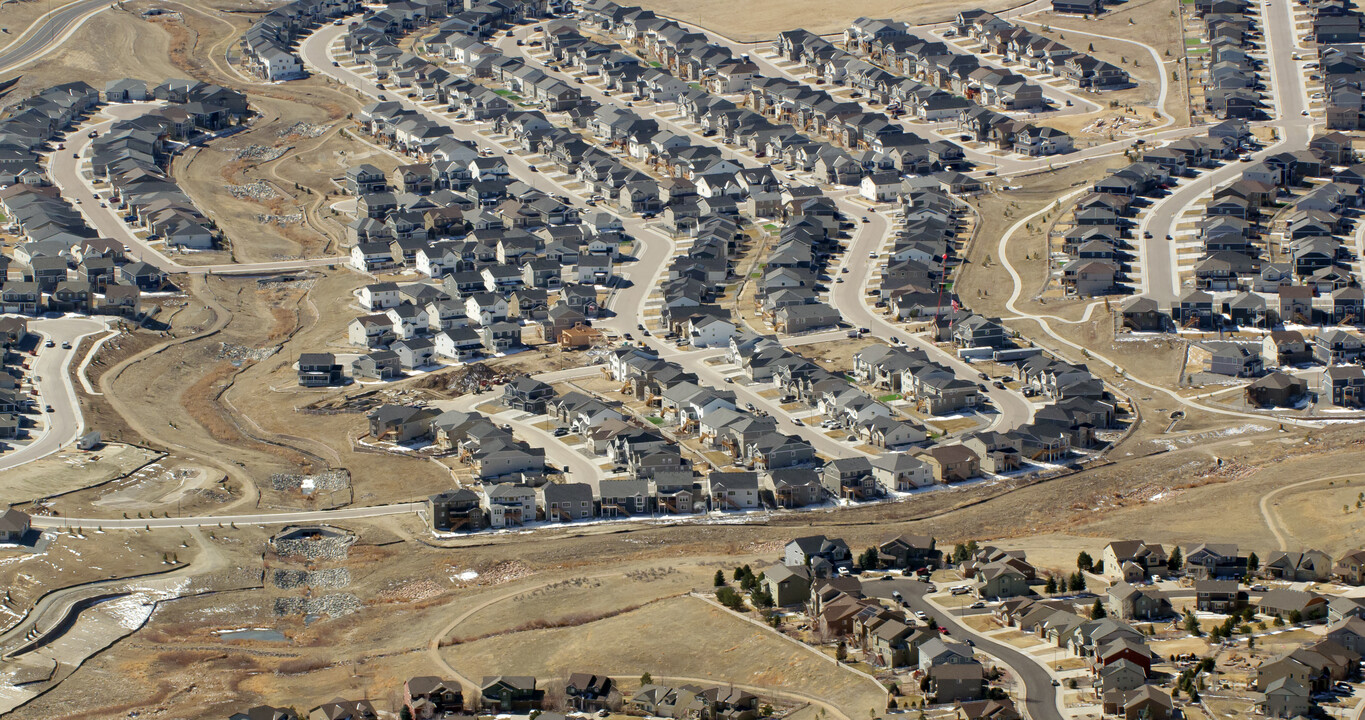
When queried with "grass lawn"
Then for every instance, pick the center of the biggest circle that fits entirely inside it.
(655, 419)
(768, 226)
(890, 398)
(510, 96)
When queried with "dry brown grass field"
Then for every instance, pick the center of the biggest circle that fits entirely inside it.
(667, 638)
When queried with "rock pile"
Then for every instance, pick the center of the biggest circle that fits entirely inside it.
(335, 605)
(258, 190)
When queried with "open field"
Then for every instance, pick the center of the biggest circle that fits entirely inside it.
(71, 470)
(753, 20)
(729, 650)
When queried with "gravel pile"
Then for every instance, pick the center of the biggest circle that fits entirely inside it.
(280, 220)
(328, 481)
(330, 605)
(257, 152)
(258, 190)
(330, 579)
(323, 548)
(303, 130)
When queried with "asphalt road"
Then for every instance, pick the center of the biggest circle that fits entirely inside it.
(45, 35)
(1160, 272)
(53, 364)
(850, 297)
(1040, 697)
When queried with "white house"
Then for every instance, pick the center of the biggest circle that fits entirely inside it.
(708, 331)
(507, 504)
(486, 308)
(408, 320)
(458, 343)
(380, 296)
(594, 270)
(880, 187)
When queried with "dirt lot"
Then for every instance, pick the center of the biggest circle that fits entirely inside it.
(72, 470)
(754, 20)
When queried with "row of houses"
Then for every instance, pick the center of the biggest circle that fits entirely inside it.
(133, 157)
(33, 125)
(915, 279)
(103, 281)
(1231, 81)
(1340, 68)
(1020, 46)
(428, 697)
(68, 267)
(14, 404)
(1098, 241)
(789, 292)
(859, 142)
(268, 45)
(889, 44)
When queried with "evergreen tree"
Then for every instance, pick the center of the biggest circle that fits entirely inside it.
(1253, 562)
(1097, 610)
(1051, 587)
(720, 578)
(1175, 561)
(1084, 563)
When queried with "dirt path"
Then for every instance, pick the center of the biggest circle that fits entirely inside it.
(1272, 520)
(107, 384)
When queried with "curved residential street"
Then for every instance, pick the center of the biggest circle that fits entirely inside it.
(65, 423)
